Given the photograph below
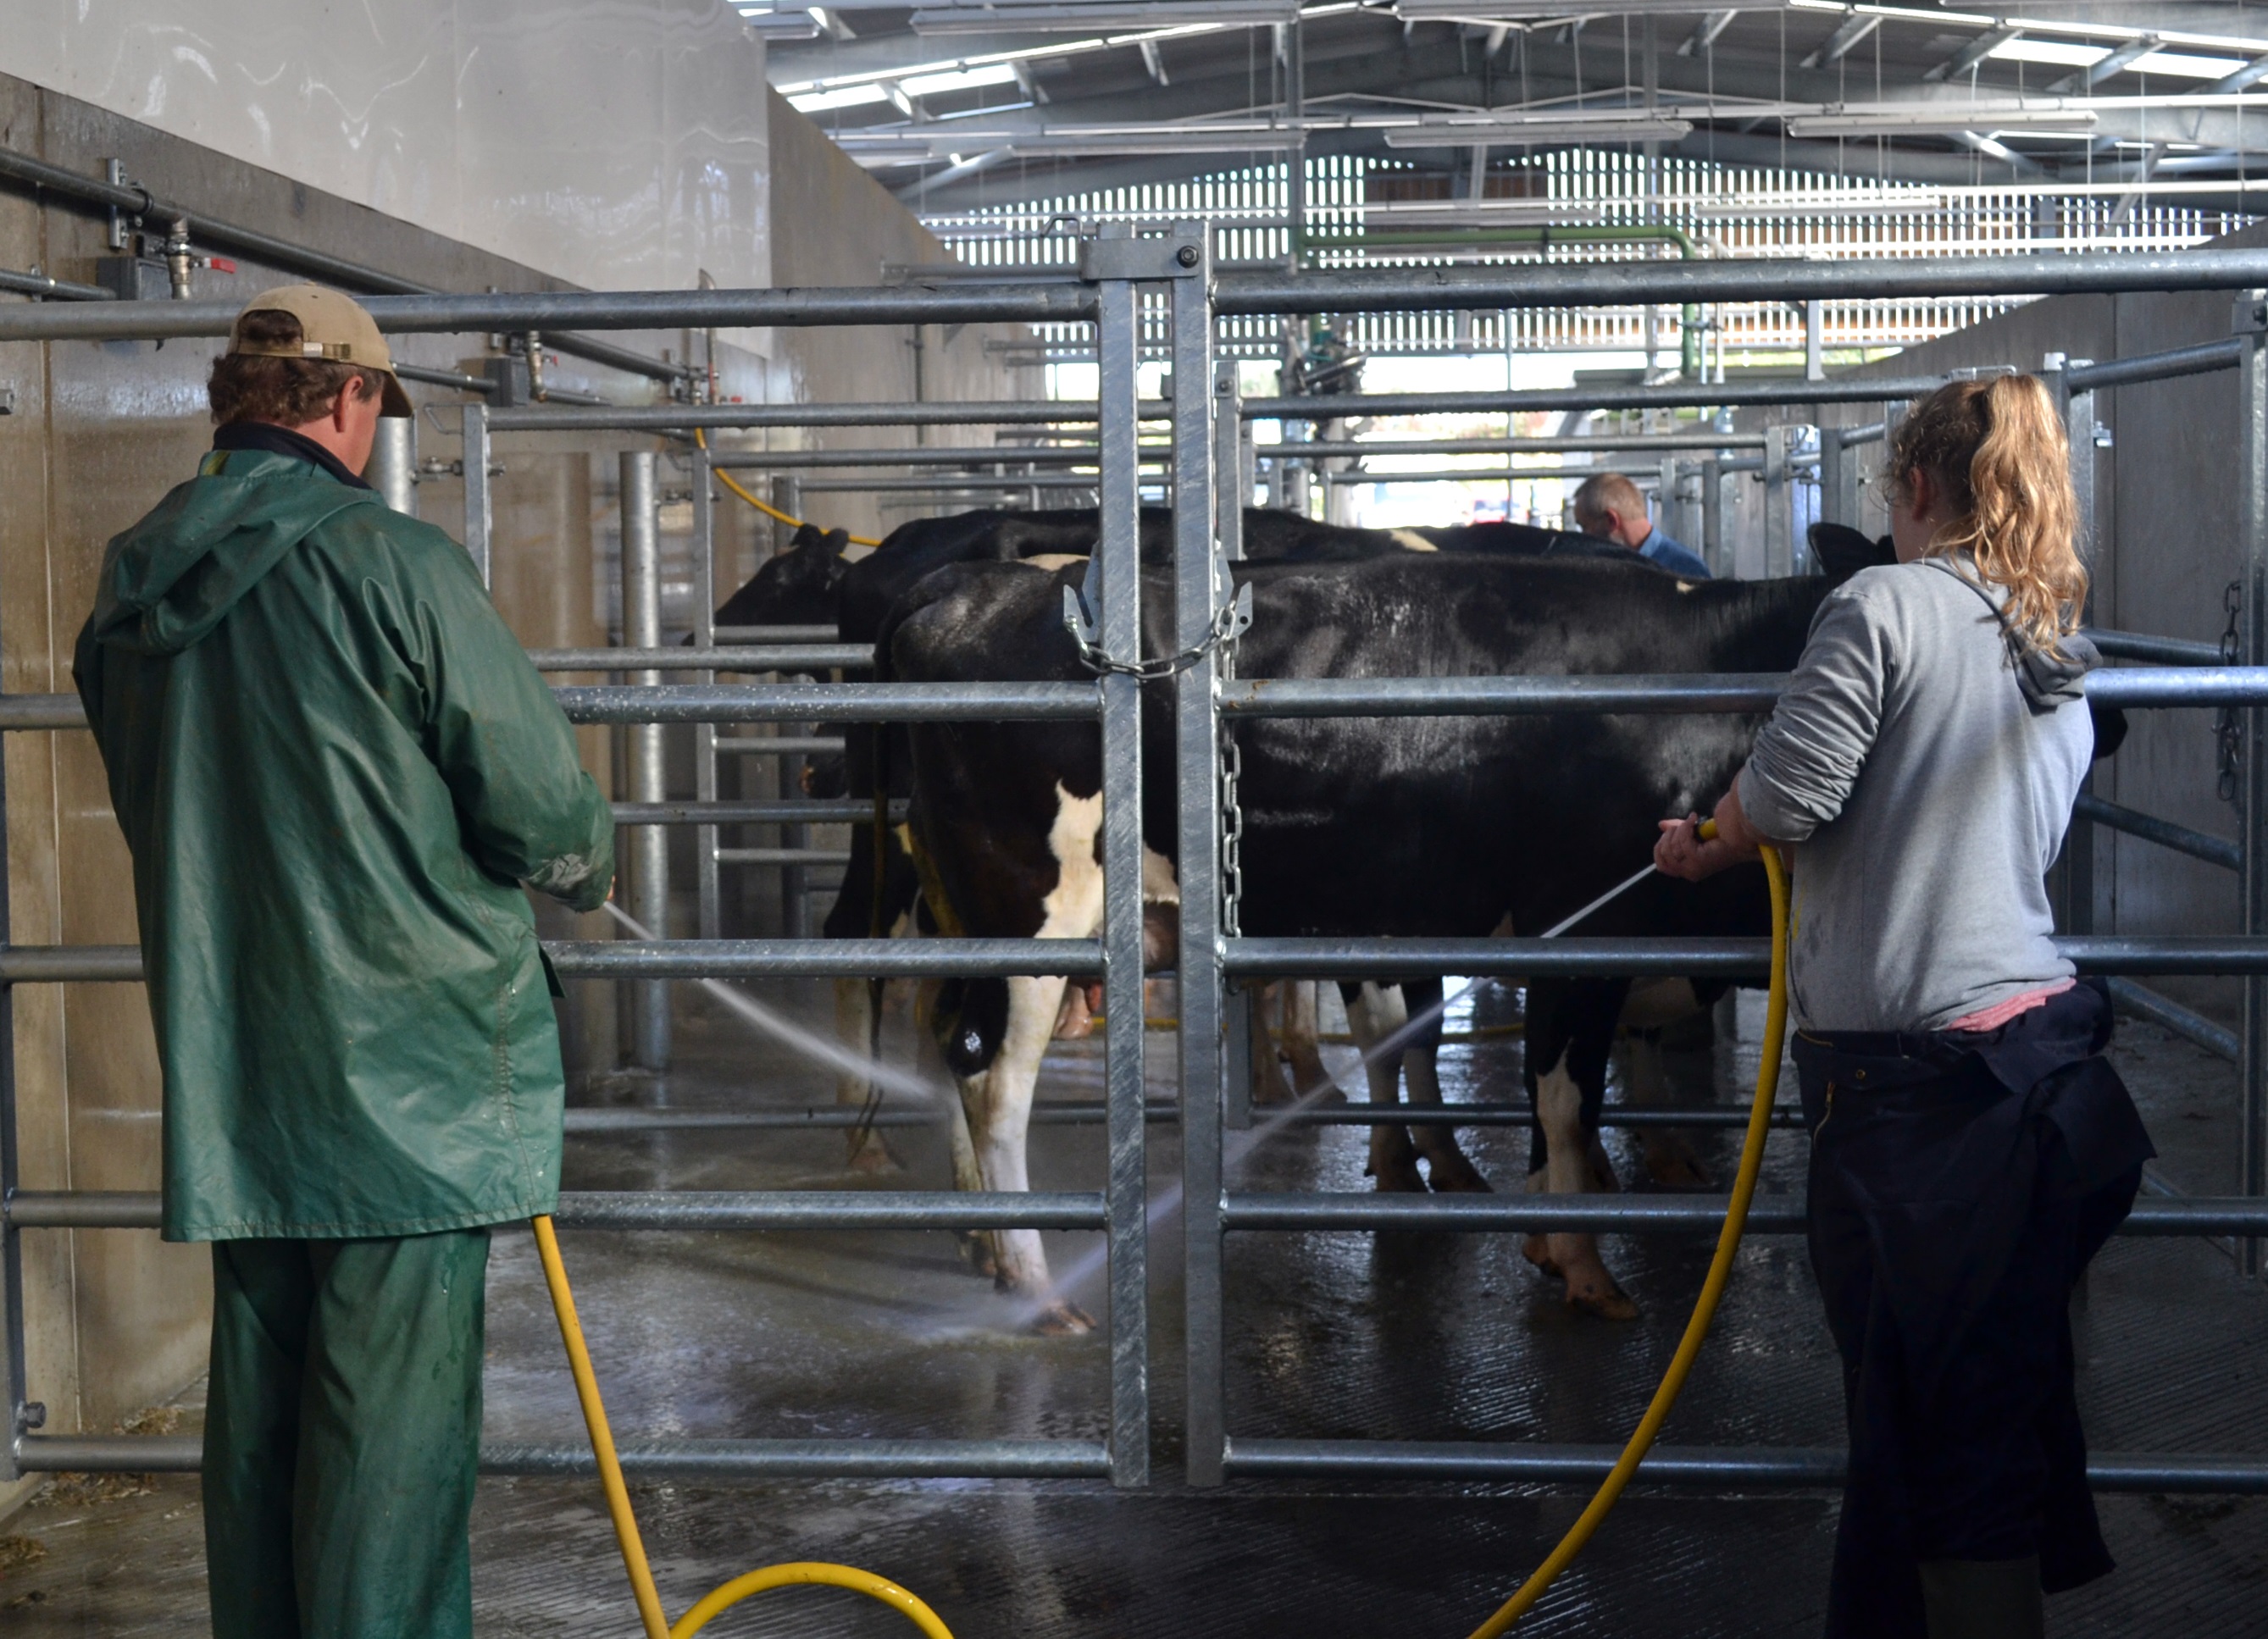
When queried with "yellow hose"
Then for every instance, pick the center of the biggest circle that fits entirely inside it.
(768, 511)
(1720, 1270)
(626, 1529)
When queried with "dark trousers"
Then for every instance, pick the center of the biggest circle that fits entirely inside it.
(342, 1436)
(1948, 1224)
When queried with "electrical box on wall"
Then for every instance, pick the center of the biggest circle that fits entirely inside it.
(134, 278)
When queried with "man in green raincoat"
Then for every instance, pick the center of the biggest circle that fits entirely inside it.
(335, 768)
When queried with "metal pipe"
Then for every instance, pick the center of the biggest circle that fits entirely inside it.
(2230, 856)
(2204, 358)
(392, 469)
(456, 378)
(795, 811)
(1412, 289)
(791, 855)
(2157, 650)
(2168, 1014)
(684, 418)
(707, 1461)
(784, 746)
(1008, 454)
(648, 850)
(1642, 1214)
(1493, 476)
(54, 290)
(1719, 1468)
(1609, 444)
(1076, 1113)
(1412, 958)
(480, 519)
(775, 633)
(752, 658)
(2251, 325)
(829, 703)
(1675, 396)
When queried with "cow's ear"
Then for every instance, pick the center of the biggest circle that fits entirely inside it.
(1841, 551)
(807, 537)
(837, 541)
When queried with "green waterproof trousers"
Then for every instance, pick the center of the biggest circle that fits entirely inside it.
(342, 1436)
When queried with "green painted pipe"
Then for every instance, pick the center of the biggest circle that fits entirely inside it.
(1688, 359)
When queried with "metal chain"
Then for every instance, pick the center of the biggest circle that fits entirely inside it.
(2228, 722)
(1232, 837)
(1095, 659)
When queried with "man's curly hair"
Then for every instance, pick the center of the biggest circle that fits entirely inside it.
(288, 392)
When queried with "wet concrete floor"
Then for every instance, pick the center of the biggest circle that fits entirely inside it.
(1339, 1336)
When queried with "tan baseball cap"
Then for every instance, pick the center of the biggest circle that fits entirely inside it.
(332, 328)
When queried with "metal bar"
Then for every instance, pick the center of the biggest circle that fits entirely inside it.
(1407, 959)
(776, 633)
(709, 916)
(54, 290)
(709, 1461)
(1245, 957)
(821, 1118)
(648, 850)
(15, 1379)
(479, 512)
(1779, 531)
(1675, 396)
(1201, 583)
(2168, 1014)
(1492, 476)
(2251, 325)
(1710, 690)
(787, 854)
(2165, 833)
(831, 703)
(2084, 375)
(1713, 518)
(392, 468)
(1117, 572)
(1645, 1215)
(1874, 431)
(456, 378)
(1405, 289)
(1005, 454)
(929, 412)
(1720, 1467)
(2157, 650)
(830, 1210)
(708, 658)
(784, 746)
(961, 483)
(1609, 444)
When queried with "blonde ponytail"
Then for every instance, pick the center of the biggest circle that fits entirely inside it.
(1995, 450)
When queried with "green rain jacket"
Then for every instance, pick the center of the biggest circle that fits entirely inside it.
(334, 767)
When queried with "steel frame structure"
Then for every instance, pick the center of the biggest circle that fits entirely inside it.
(1209, 699)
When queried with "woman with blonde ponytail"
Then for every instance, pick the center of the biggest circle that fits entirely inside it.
(1971, 1148)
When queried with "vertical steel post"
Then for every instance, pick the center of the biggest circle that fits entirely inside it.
(1779, 548)
(16, 1399)
(1814, 340)
(2070, 883)
(649, 844)
(2252, 1161)
(1200, 586)
(1115, 594)
(787, 772)
(478, 522)
(392, 469)
(1834, 461)
(1712, 518)
(705, 734)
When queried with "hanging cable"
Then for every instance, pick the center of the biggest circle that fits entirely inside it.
(768, 511)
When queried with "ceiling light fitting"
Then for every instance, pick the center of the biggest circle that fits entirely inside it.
(1549, 130)
(1081, 16)
(1944, 121)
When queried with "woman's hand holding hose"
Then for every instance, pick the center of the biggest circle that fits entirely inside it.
(1683, 850)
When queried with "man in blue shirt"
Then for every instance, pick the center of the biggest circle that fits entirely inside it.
(1609, 507)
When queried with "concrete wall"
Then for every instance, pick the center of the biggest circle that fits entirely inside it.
(100, 432)
(2164, 550)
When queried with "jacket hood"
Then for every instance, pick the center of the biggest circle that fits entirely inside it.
(173, 576)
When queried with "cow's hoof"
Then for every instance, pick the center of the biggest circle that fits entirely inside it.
(977, 1253)
(1538, 1250)
(1452, 1174)
(1398, 1177)
(1062, 1319)
(1601, 1298)
(1673, 1170)
(874, 1160)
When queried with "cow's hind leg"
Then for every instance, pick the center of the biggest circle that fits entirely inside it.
(1303, 1048)
(998, 1103)
(1374, 1013)
(1447, 1167)
(1569, 1031)
(1657, 1009)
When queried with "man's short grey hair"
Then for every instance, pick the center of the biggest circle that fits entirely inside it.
(1608, 492)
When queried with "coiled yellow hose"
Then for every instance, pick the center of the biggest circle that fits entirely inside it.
(626, 1528)
(1720, 1270)
(768, 509)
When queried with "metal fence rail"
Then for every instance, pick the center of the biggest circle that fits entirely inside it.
(1204, 428)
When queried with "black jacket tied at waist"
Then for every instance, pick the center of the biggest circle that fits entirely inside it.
(1960, 1182)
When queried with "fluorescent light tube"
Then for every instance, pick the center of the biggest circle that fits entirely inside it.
(1924, 119)
(1517, 11)
(1516, 133)
(1077, 17)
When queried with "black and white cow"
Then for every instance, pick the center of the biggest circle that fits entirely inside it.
(817, 581)
(1443, 826)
